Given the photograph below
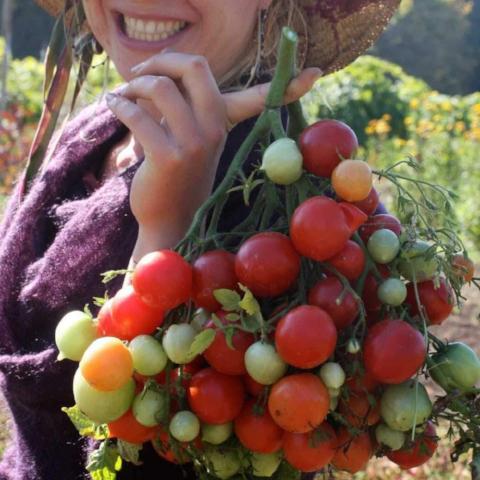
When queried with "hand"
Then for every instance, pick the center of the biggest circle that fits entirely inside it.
(184, 143)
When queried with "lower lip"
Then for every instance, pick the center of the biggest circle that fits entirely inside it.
(146, 45)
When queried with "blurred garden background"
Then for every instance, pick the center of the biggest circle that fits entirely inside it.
(415, 95)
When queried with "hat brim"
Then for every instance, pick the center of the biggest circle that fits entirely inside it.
(339, 31)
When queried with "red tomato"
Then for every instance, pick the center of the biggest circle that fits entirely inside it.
(362, 383)
(211, 271)
(306, 336)
(416, 454)
(350, 261)
(393, 351)
(162, 447)
(129, 316)
(370, 288)
(377, 222)
(358, 411)
(257, 431)
(186, 371)
(437, 302)
(128, 429)
(267, 264)
(299, 403)
(309, 452)
(320, 227)
(223, 358)
(324, 144)
(105, 319)
(353, 453)
(214, 397)
(163, 279)
(325, 293)
(253, 387)
(370, 204)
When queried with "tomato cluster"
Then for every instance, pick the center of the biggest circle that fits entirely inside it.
(306, 342)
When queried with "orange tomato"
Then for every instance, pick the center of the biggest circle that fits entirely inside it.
(463, 267)
(352, 180)
(357, 410)
(128, 429)
(107, 364)
(353, 453)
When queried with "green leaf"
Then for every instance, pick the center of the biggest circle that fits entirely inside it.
(84, 425)
(249, 302)
(232, 317)
(229, 299)
(100, 301)
(104, 462)
(201, 342)
(229, 333)
(130, 452)
(216, 321)
(87, 311)
(251, 323)
(111, 274)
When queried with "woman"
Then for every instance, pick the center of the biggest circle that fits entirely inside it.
(126, 178)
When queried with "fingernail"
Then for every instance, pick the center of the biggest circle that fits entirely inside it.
(111, 99)
(137, 68)
(318, 74)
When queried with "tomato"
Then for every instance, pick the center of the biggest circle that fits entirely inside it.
(74, 333)
(282, 162)
(463, 267)
(383, 246)
(223, 358)
(264, 364)
(358, 411)
(105, 319)
(417, 262)
(265, 464)
(224, 463)
(107, 364)
(99, 406)
(216, 434)
(127, 428)
(370, 204)
(148, 355)
(299, 403)
(252, 386)
(437, 302)
(416, 454)
(353, 346)
(362, 383)
(392, 292)
(211, 271)
(329, 295)
(320, 227)
(377, 222)
(392, 439)
(309, 452)
(163, 279)
(214, 397)
(393, 351)
(162, 447)
(350, 261)
(353, 453)
(257, 431)
(177, 341)
(184, 426)
(352, 180)
(306, 336)
(370, 289)
(267, 264)
(130, 316)
(405, 405)
(324, 144)
(150, 407)
(455, 367)
(332, 375)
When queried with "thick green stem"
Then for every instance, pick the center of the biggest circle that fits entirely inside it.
(296, 120)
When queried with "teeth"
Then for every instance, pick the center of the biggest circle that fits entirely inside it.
(151, 31)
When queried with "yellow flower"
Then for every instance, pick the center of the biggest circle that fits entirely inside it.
(409, 121)
(476, 109)
(414, 103)
(446, 106)
(460, 126)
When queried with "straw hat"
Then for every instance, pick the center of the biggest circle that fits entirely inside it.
(338, 30)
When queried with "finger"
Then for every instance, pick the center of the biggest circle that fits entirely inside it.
(166, 97)
(148, 132)
(248, 103)
(195, 74)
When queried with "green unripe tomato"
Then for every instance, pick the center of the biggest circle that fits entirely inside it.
(74, 334)
(416, 261)
(225, 463)
(264, 364)
(149, 407)
(353, 346)
(404, 405)
(332, 374)
(392, 292)
(383, 246)
(456, 367)
(177, 342)
(148, 355)
(393, 439)
(102, 407)
(184, 426)
(283, 162)
(216, 434)
(265, 464)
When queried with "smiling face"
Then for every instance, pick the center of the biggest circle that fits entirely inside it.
(131, 31)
